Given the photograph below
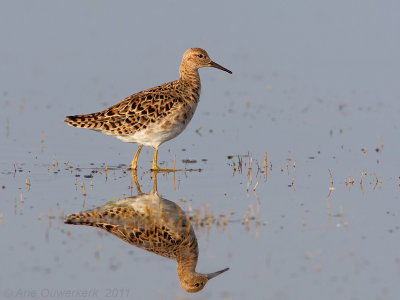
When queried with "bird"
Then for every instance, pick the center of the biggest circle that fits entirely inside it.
(156, 115)
(155, 224)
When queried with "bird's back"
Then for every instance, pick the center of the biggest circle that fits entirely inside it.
(164, 108)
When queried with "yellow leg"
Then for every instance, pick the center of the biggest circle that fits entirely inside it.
(135, 180)
(156, 168)
(134, 160)
(154, 175)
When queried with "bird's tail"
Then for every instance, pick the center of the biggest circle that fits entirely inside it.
(91, 121)
(82, 218)
(90, 218)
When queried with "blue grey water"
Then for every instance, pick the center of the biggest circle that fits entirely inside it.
(313, 82)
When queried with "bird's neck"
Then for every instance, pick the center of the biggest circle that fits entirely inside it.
(189, 75)
(186, 266)
(190, 83)
(188, 254)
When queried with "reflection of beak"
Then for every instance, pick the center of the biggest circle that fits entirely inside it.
(215, 65)
(212, 275)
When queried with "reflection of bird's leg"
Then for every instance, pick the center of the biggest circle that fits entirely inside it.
(135, 158)
(135, 180)
(154, 175)
(155, 167)
(155, 192)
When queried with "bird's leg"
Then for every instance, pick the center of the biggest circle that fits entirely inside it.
(156, 168)
(135, 158)
(135, 180)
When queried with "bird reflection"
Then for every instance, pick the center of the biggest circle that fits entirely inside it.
(155, 224)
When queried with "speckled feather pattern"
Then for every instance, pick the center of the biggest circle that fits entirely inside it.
(166, 108)
(132, 220)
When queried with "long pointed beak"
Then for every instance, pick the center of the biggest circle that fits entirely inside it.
(212, 275)
(215, 65)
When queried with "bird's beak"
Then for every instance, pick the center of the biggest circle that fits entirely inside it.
(212, 275)
(215, 65)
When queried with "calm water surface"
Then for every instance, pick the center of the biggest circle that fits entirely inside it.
(314, 95)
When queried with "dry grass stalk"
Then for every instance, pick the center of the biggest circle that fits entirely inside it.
(250, 164)
(256, 185)
(331, 188)
(287, 164)
(240, 164)
(258, 168)
(361, 181)
(265, 164)
(246, 220)
(50, 217)
(83, 187)
(28, 184)
(330, 174)
(55, 162)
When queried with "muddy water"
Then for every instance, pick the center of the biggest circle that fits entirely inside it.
(296, 187)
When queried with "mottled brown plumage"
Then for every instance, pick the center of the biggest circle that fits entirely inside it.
(146, 221)
(154, 224)
(156, 115)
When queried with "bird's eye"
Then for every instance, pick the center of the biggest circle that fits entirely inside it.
(200, 55)
(197, 284)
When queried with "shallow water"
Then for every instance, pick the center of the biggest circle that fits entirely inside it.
(312, 86)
